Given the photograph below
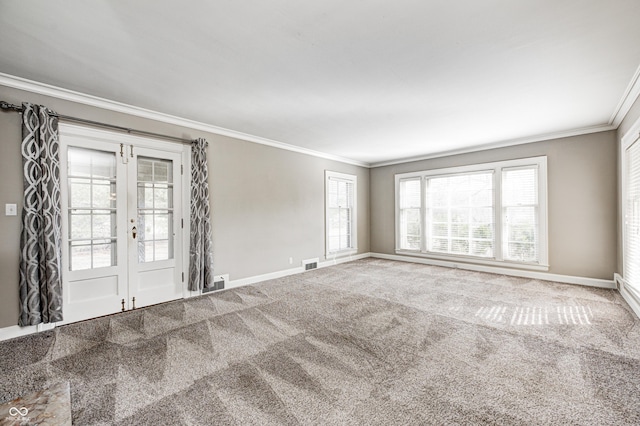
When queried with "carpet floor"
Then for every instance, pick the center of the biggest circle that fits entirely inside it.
(365, 342)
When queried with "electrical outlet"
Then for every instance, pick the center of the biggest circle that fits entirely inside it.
(11, 210)
(291, 261)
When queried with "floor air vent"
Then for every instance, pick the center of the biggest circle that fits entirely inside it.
(217, 284)
(310, 264)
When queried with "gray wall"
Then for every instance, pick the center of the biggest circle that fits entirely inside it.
(582, 198)
(267, 203)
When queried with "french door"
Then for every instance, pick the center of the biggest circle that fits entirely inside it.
(122, 223)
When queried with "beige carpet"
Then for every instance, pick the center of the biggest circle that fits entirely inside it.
(366, 342)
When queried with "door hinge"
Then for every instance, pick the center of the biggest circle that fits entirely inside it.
(182, 225)
(181, 169)
(122, 150)
(183, 277)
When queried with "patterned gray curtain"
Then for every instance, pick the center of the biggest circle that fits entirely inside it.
(40, 246)
(200, 248)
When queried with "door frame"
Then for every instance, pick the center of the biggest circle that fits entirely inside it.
(114, 138)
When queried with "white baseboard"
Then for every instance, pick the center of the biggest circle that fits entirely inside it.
(14, 331)
(298, 270)
(628, 295)
(343, 259)
(568, 279)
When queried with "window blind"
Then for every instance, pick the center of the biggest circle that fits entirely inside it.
(410, 207)
(460, 214)
(520, 213)
(340, 201)
(487, 213)
(632, 218)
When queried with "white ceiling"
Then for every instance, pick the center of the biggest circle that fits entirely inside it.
(371, 80)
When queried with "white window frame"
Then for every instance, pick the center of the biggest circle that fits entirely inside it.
(496, 167)
(330, 175)
(629, 139)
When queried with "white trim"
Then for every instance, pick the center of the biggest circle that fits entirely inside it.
(501, 144)
(629, 97)
(94, 101)
(455, 260)
(69, 129)
(17, 331)
(90, 137)
(628, 139)
(568, 279)
(629, 296)
(293, 271)
(14, 331)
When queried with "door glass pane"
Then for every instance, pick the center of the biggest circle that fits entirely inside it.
(80, 256)
(155, 209)
(92, 208)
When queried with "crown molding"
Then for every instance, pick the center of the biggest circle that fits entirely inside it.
(631, 94)
(94, 101)
(501, 144)
(629, 97)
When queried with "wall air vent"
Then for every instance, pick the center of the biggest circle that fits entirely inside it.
(310, 264)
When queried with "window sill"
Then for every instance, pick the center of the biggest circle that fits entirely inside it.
(453, 260)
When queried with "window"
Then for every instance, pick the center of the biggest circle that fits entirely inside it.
(410, 222)
(631, 237)
(520, 213)
(91, 209)
(460, 214)
(341, 190)
(487, 213)
(155, 209)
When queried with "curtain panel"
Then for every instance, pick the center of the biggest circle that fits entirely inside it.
(200, 247)
(40, 238)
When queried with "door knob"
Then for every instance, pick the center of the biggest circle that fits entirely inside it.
(134, 232)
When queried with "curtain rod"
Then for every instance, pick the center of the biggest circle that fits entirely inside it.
(11, 107)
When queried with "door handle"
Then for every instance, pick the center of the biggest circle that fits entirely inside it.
(134, 232)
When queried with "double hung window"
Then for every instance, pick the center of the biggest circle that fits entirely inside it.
(340, 213)
(487, 213)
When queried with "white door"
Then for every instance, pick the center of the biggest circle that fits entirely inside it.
(122, 223)
(153, 214)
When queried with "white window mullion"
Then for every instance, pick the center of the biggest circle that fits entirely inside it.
(498, 214)
(424, 220)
